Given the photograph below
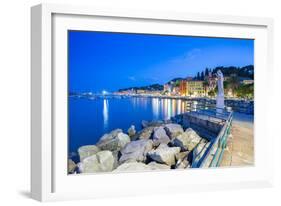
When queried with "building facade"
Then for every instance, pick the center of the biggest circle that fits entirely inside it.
(182, 88)
(195, 88)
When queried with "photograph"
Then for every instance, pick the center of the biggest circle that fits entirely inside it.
(156, 102)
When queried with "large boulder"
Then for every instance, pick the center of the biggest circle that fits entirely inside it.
(156, 123)
(103, 161)
(164, 154)
(160, 136)
(157, 166)
(116, 157)
(132, 131)
(132, 167)
(111, 135)
(173, 130)
(136, 151)
(182, 155)
(145, 133)
(187, 140)
(113, 141)
(87, 151)
(71, 166)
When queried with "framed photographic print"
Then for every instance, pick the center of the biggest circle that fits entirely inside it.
(124, 98)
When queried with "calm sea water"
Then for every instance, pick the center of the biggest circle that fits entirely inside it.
(90, 119)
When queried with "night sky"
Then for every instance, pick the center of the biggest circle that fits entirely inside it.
(110, 61)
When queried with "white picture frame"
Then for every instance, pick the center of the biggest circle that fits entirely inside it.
(49, 179)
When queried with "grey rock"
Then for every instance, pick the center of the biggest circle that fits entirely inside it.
(173, 130)
(187, 140)
(136, 151)
(164, 154)
(162, 145)
(116, 157)
(160, 136)
(152, 123)
(71, 166)
(182, 155)
(87, 151)
(145, 133)
(167, 121)
(103, 161)
(111, 135)
(157, 166)
(132, 167)
(115, 142)
(132, 131)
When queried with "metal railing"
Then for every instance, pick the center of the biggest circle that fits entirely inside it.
(212, 156)
(209, 110)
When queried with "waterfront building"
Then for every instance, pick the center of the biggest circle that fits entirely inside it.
(195, 88)
(140, 91)
(175, 91)
(167, 88)
(182, 88)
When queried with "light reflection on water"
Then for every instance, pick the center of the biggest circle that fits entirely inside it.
(90, 119)
(105, 113)
(155, 107)
(169, 107)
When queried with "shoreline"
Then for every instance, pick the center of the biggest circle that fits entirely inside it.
(90, 95)
(155, 136)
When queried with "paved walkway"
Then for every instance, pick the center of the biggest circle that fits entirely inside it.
(240, 147)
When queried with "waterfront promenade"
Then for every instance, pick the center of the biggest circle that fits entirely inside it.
(240, 147)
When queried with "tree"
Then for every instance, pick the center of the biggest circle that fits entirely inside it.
(177, 83)
(202, 76)
(206, 72)
(211, 93)
(198, 76)
(205, 85)
(245, 91)
(233, 83)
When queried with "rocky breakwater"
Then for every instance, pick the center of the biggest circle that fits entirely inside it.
(158, 146)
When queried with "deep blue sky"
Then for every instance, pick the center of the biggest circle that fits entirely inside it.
(110, 61)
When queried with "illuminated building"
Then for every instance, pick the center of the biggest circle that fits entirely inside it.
(182, 88)
(195, 88)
